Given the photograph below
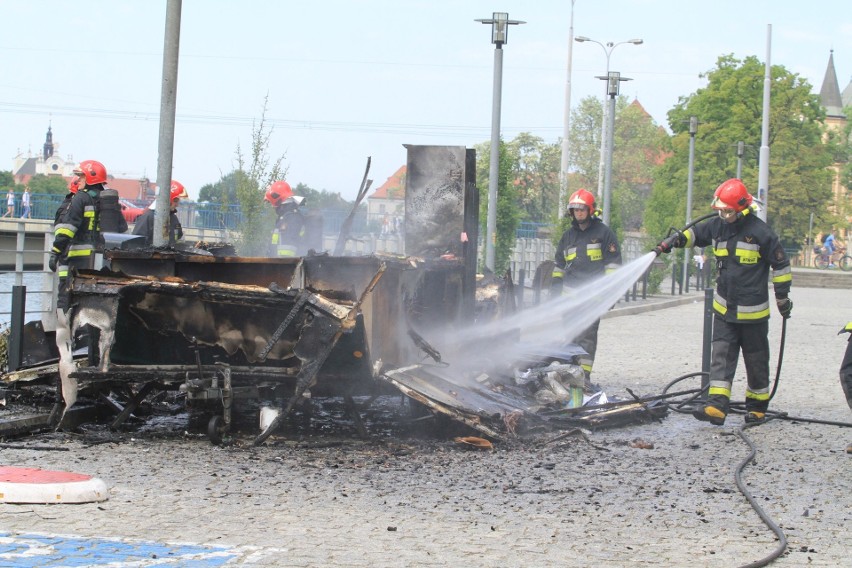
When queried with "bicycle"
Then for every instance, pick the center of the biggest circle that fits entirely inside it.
(839, 258)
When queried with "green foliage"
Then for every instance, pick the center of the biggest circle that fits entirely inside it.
(7, 180)
(508, 212)
(322, 199)
(52, 185)
(257, 174)
(729, 110)
(638, 144)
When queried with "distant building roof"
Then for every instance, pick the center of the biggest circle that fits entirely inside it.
(393, 188)
(829, 94)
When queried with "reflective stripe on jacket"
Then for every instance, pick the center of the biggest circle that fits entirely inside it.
(590, 253)
(745, 250)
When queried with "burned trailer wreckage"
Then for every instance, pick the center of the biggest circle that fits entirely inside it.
(219, 328)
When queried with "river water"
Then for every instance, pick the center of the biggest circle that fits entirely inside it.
(36, 297)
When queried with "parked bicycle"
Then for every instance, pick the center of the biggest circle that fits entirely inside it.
(837, 258)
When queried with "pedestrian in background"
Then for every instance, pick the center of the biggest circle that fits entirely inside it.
(25, 203)
(10, 204)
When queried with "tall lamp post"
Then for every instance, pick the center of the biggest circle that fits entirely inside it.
(500, 23)
(613, 80)
(693, 129)
(608, 47)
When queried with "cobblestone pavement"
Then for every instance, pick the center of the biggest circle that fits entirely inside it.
(333, 500)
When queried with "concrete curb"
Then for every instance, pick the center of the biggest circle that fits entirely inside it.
(653, 304)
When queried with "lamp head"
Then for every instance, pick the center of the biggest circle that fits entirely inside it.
(581, 39)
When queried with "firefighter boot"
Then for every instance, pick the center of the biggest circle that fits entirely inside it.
(714, 411)
(755, 417)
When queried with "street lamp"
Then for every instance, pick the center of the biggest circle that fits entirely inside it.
(608, 48)
(500, 23)
(693, 130)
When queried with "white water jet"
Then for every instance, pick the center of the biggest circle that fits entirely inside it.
(556, 322)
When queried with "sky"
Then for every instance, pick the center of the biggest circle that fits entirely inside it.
(345, 80)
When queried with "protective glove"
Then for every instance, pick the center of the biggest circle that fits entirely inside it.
(676, 240)
(846, 329)
(785, 306)
(51, 262)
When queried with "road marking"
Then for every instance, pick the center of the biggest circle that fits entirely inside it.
(28, 550)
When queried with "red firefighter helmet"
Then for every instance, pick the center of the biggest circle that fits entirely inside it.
(74, 184)
(177, 191)
(582, 198)
(731, 194)
(95, 172)
(278, 192)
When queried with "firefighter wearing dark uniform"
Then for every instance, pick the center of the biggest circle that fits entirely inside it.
(144, 225)
(745, 249)
(587, 250)
(76, 233)
(288, 236)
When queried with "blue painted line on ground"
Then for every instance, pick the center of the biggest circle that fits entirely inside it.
(29, 550)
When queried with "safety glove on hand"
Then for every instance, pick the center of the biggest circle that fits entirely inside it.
(785, 306)
(846, 329)
(51, 262)
(676, 240)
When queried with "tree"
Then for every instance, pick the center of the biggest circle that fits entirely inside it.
(508, 212)
(52, 185)
(638, 145)
(729, 109)
(258, 173)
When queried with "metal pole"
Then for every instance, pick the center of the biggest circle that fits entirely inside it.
(494, 170)
(740, 152)
(563, 167)
(810, 239)
(763, 171)
(168, 104)
(602, 161)
(708, 336)
(607, 195)
(693, 128)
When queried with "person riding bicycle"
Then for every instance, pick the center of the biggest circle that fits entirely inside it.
(830, 247)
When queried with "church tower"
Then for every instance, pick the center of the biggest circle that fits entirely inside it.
(48, 144)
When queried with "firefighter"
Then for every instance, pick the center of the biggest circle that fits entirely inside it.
(77, 233)
(287, 236)
(76, 236)
(846, 372)
(745, 249)
(587, 250)
(145, 222)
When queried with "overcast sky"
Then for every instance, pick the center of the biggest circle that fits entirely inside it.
(350, 79)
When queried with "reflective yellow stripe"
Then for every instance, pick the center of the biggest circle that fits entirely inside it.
(753, 312)
(594, 252)
(275, 238)
(753, 315)
(782, 275)
(747, 253)
(713, 391)
(79, 252)
(848, 326)
(721, 248)
(62, 273)
(754, 395)
(719, 307)
(64, 232)
(690, 238)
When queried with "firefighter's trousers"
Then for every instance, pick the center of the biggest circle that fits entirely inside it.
(728, 340)
(846, 373)
(588, 340)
